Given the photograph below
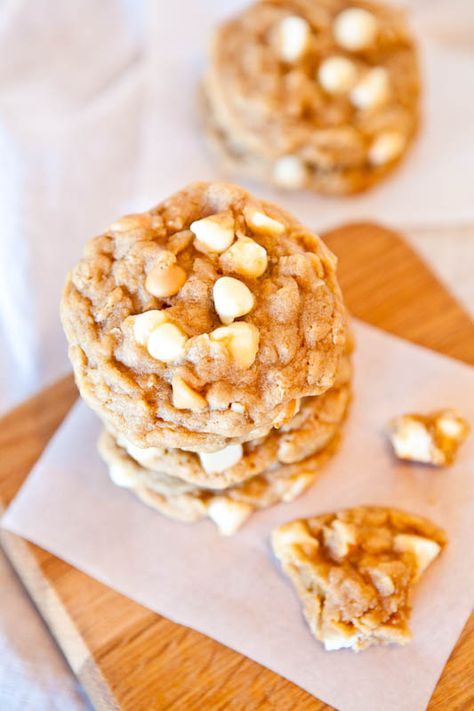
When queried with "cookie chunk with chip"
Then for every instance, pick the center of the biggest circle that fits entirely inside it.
(354, 571)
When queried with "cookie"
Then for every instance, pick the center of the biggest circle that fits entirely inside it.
(429, 439)
(309, 431)
(204, 319)
(229, 509)
(313, 94)
(354, 571)
(237, 462)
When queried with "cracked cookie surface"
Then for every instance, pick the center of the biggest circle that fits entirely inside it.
(354, 571)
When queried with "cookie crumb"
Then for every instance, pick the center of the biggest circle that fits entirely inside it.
(433, 438)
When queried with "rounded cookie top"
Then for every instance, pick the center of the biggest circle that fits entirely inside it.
(319, 94)
(212, 313)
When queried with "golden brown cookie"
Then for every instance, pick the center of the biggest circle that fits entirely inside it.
(354, 571)
(228, 508)
(207, 317)
(318, 94)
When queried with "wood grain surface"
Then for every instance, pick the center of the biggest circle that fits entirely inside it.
(130, 658)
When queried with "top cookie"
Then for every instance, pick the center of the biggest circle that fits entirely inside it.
(319, 94)
(212, 313)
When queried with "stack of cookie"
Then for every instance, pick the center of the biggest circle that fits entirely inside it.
(319, 94)
(210, 336)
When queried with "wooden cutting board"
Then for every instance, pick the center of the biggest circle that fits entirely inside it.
(130, 658)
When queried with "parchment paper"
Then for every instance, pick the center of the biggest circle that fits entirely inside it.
(231, 588)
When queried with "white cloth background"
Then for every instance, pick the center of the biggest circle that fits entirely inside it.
(70, 112)
(77, 148)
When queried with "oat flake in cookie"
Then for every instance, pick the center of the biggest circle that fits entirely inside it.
(354, 571)
(206, 318)
(318, 94)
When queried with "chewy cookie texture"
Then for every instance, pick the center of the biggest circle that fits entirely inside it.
(204, 320)
(318, 94)
(228, 508)
(312, 428)
(354, 571)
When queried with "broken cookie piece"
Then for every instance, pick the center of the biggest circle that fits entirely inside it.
(354, 571)
(433, 438)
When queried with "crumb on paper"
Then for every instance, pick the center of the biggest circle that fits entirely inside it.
(432, 438)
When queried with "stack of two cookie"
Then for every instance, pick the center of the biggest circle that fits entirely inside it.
(210, 336)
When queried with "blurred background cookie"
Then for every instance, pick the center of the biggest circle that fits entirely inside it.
(318, 94)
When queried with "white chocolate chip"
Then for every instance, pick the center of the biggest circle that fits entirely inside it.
(144, 324)
(355, 29)
(451, 426)
(339, 537)
(121, 476)
(293, 37)
(237, 407)
(386, 147)
(382, 582)
(146, 456)
(214, 233)
(423, 549)
(166, 277)
(262, 224)
(228, 515)
(289, 488)
(218, 462)
(185, 397)
(289, 172)
(245, 257)
(291, 534)
(232, 298)
(337, 75)
(241, 340)
(372, 90)
(334, 640)
(166, 343)
(411, 440)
